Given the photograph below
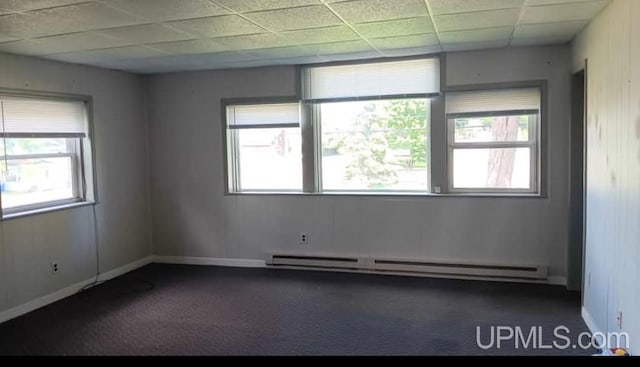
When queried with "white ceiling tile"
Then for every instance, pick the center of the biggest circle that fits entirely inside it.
(476, 20)
(27, 5)
(419, 40)
(548, 40)
(339, 47)
(243, 6)
(559, 30)
(562, 12)
(390, 28)
(254, 41)
(281, 52)
(295, 18)
(399, 52)
(465, 6)
(118, 53)
(146, 33)
(6, 38)
(475, 45)
(476, 35)
(360, 11)
(227, 25)
(62, 44)
(66, 19)
(321, 35)
(166, 10)
(199, 46)
(551, 2)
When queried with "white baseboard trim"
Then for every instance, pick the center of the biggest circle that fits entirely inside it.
(40, 302)
(125, 269)
(210, 261)
(591, 324)
(557, 280)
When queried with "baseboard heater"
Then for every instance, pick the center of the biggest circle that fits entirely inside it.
(411, 267)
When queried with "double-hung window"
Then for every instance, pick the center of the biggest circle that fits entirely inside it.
(44, 150)
(493, 140)
(371, 124)
(264, 147)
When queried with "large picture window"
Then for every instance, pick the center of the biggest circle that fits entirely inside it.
(43, 153)
(379, 145)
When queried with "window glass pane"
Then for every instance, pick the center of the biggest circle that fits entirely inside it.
(375, 145)
(34, 181)
(502, 168)
(270, 159)
(492, 129)
(22, 146)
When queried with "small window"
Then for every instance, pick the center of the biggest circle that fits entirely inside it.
(44, 151)
(264, 148)
(493, 140)
(378, 145)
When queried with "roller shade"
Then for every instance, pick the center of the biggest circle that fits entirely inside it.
(419, 77)
(264, 115)
(30, 117)
(494, 101)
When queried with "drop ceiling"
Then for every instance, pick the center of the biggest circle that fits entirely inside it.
(148, 36)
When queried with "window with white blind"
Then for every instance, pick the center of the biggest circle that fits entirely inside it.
(45, 152)
(493, 140)
(264, 147)
(372, 124)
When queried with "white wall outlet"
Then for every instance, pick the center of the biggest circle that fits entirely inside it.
(304, 238)
(55, 268)
(438, 189)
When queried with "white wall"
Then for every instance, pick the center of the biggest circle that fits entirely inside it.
(610, 44)
(28, 245)
(193, 217)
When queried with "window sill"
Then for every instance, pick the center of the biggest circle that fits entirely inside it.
(28, 213)
(396, 194)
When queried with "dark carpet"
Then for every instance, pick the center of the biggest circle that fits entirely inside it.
(190, 310)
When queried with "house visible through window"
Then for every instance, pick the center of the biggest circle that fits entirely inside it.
(265, 149)
(42, 153)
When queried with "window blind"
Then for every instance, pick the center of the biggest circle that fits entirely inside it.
(29, 117)
(264, 115)
(494, 101)
(420, 77)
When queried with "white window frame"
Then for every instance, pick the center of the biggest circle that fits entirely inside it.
(232, 146)
(80, 152)
(533, 144)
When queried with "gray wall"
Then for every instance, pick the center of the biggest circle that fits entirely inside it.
(193, 217)
(28, 245)
(612, 251)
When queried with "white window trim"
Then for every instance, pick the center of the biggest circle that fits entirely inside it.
(82, 155)
(533, 144)
(232, 144)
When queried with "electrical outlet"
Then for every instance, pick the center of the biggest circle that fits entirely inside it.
(304, 238)
(54, 268)
(619, 320)
(438, 190)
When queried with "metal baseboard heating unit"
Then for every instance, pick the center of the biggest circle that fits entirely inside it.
(322, 262)
(529, 272)
(416, 267)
